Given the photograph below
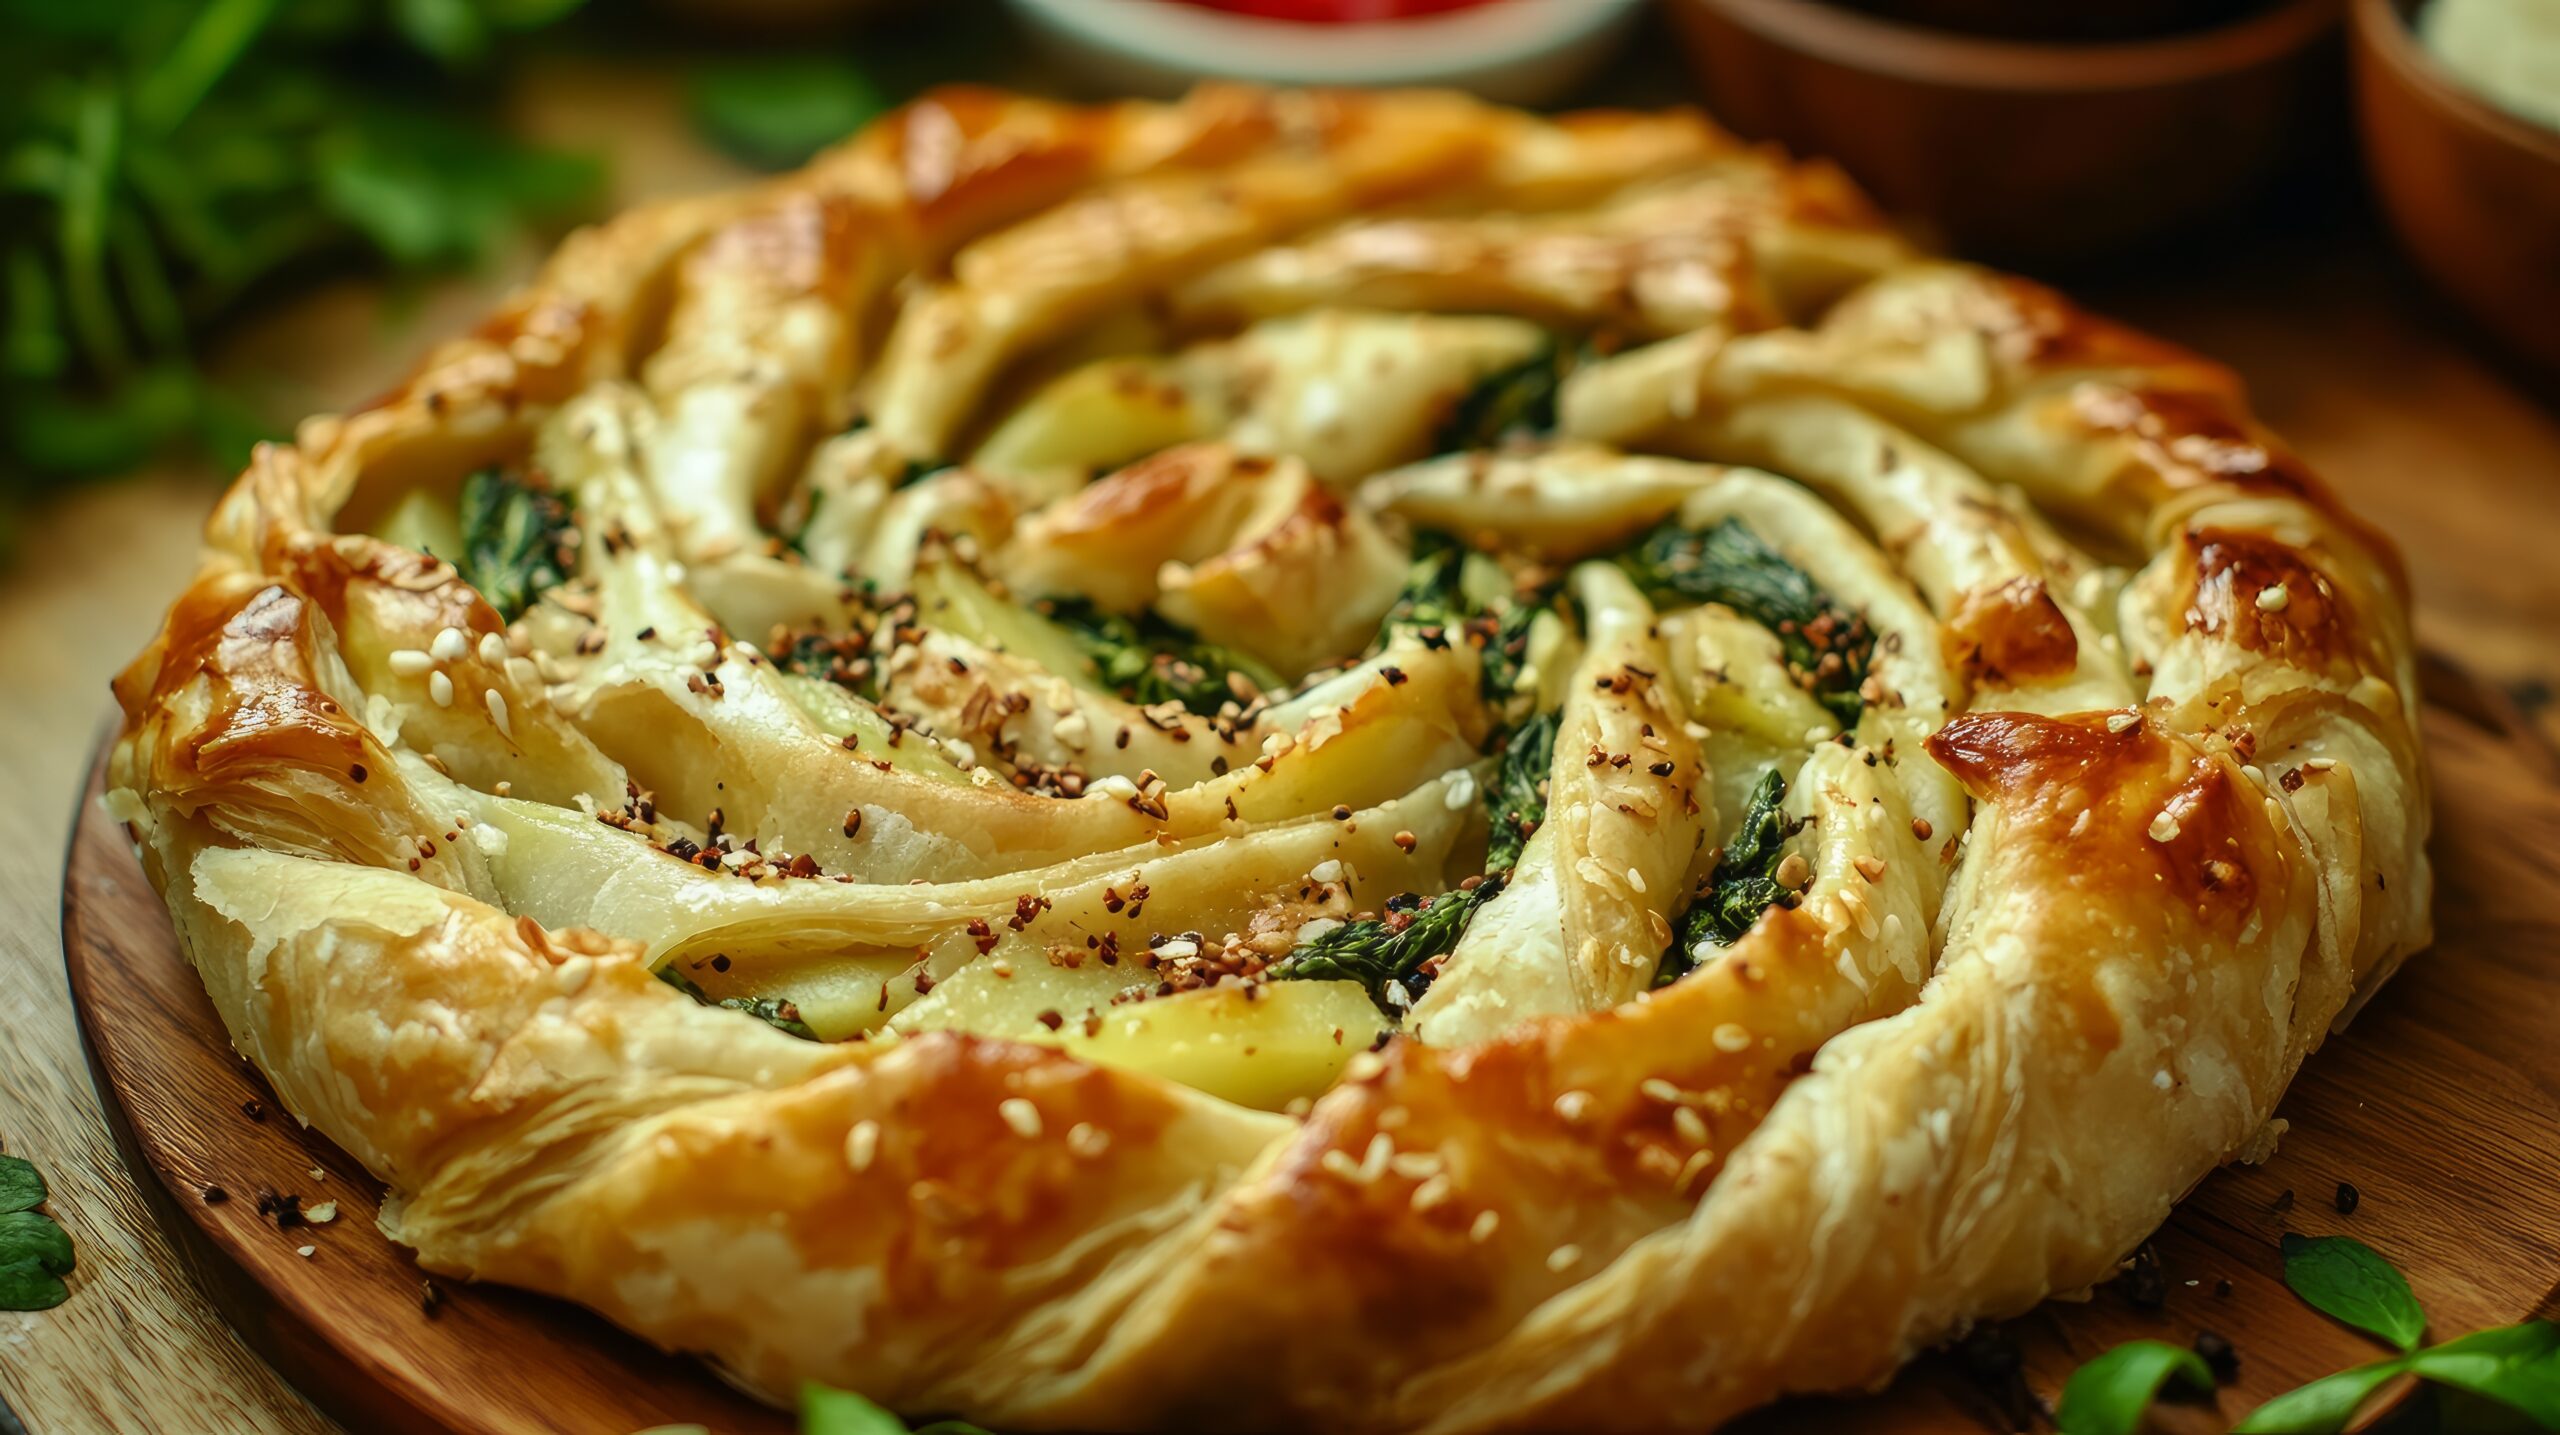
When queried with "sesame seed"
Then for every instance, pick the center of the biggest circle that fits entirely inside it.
(1635, 879)
(305, 1252)
(2272, 600)
(493, 649)
(440, 690)
(1087, 1140)
(862, 1145)
(1328, 870)
(1434, 1191)
(1659, 1090)
(1486, 1223)
(1021, 1115)
(322, 1214)
(1732, 1036)
(450, 645)
(2123, 722)
(1363, 1066)
(2164, 827)
(1564, 1258)
(1871, 868)
(410, 662)
(498, 712)
(1573, 1106)
(1339, 1163)
(1691, 1126)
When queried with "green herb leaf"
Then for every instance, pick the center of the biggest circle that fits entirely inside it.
(427, 190)
(825, 1410)
(1743, 885)
(1517, 801)
(1518, 399)
(2349, 1281)
(2321, 1408)
(25, 1285)
(778, 112)
(515, 540)
(776, 1012)
(2108, 1395)
(21, 1185)
(33, 1236)
(1828, 646)
(1389, 950)
(1149, 660)
(2517, 1366)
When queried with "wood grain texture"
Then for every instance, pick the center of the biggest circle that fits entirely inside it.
(2442, 1106)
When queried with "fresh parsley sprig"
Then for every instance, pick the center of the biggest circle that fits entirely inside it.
(2516, 1367)
(161, 160)
(35, 1253)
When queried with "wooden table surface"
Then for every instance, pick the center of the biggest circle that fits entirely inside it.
(2456, 456)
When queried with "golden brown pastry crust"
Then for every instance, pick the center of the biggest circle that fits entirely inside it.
(1931, 1094)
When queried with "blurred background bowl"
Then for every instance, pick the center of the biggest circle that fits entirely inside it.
(1513, 51)
(2473, 191)
(2037, 151)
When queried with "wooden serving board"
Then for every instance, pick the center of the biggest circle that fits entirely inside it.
(2441, 1106)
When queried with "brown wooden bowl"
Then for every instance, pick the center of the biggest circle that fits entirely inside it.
(2473, 191)
(2031, 152)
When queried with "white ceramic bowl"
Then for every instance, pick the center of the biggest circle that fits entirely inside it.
(1511, 51)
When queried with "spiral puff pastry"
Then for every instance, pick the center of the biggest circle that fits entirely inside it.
(1340, 761)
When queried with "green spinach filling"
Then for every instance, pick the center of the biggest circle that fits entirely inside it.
(516, 540)
(1743, 885)
(1149, 660)
(1828, 645)
(1518, 399)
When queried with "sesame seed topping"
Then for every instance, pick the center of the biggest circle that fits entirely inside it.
(1021, 1115)
(1732, 1036)
(440, 690)
(862, 1145)
(1486, 1223)
(2123, 722)
(450, 645)
(2272, 600)
(1659, 1090)
(1573, 1106)
(410, 662)
(493, 649)
(1691, 1126)
(1564, 1258)
(2164, 827)
(498, 712)
(1087, 1140)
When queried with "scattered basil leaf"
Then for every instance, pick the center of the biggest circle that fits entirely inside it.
(33, 1236)
(2321, 1408)
(825, 1410)
(25, 1285)
(777, 113)
(21, 1185)
(2349, 1281)
(2516, 1365)
(35, 1254)
(2108, 1395)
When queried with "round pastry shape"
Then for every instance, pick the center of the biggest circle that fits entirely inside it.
(1343, 761)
